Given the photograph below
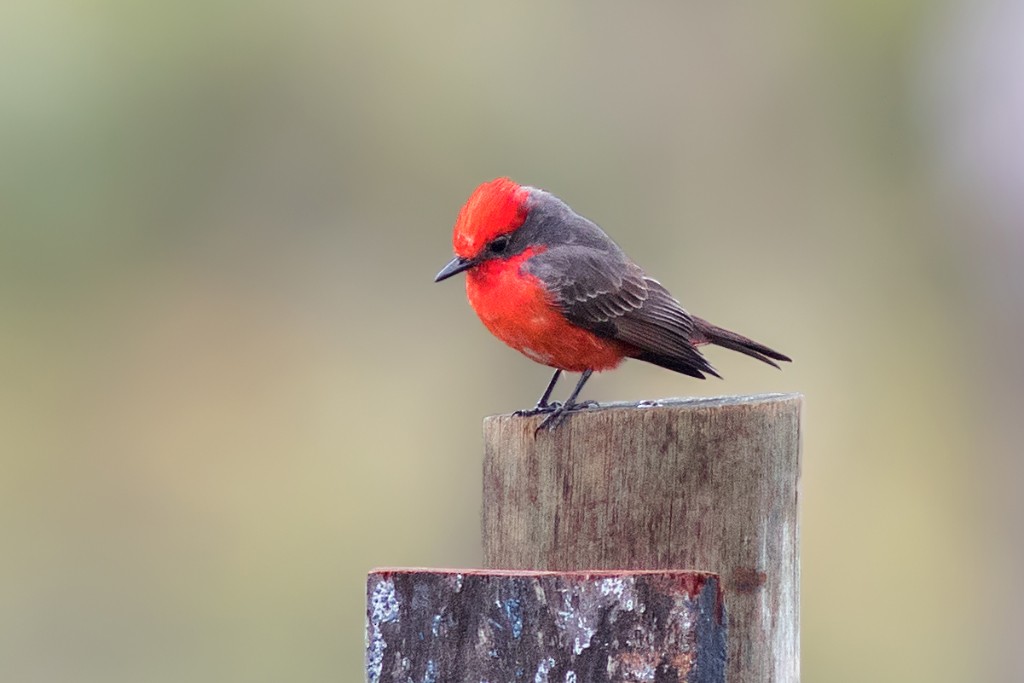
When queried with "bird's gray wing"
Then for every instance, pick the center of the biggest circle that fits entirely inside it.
(605, 293)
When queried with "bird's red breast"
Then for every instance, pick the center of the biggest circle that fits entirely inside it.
(513, 304)
(517, 309)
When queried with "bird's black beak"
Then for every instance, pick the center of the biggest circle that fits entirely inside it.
(454, 267)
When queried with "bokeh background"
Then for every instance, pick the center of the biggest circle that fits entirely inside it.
(228, 386)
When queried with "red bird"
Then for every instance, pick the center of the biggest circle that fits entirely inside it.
(552, 285)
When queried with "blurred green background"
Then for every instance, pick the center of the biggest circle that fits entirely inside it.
(228, 387)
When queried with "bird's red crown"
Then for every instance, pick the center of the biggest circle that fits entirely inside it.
(494, 208)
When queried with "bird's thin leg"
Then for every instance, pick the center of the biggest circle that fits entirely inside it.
(570, 402)
(556, 417)
(543, 402)
(542, 405)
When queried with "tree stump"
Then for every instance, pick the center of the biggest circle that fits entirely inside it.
(544, 627)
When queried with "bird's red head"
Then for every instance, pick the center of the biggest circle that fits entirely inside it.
(494, 208)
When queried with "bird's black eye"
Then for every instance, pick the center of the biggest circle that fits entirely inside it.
(499, 244)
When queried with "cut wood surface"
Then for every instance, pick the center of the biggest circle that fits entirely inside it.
(467, 626)
(707, 484)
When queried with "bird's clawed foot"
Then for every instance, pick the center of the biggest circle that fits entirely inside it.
(538, 409)
(559, 414)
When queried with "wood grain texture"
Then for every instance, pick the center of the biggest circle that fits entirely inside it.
(467, 626)
(709, 484)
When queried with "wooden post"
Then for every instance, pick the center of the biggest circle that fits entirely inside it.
(707, 484)
(465, 626)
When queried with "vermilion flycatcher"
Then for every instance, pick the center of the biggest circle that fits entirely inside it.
(552, 285)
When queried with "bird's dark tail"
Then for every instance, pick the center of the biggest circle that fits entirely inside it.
(706, 333)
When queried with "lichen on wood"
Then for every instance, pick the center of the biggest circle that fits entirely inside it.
(544, 627)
